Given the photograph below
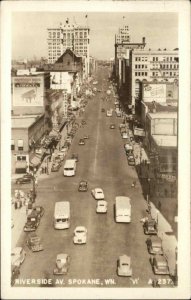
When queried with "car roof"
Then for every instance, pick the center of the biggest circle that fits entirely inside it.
(161, 260)
(155, 239)
(98, 190)
(83, 181)
(80, 228)
(101, 202)
(62, 256)
(125, 259)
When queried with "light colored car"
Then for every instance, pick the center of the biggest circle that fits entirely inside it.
(62, 264)
(160, 265)
(109, 113)
(17, 256)
(80, 235)
(101, 206)
(125, 135)
(154, 245)
(98, 194)
(124, 266)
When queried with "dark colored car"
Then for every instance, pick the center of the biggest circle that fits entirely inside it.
(15, 272)
(33, 221)
(83, 186)
(39, 210)
(103, 110)
(81, 142)
(74, 156)
(83, 122)
(55, 167)
(150, 226)
(34, 243)
(23, 180)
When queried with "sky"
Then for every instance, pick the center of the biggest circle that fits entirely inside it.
(29, 30)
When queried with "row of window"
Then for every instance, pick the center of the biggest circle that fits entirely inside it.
(156, 58)
(165, 74)
(140, 66)
(140, 73)
(20, 145)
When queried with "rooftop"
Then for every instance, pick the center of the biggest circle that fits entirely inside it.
(165, 140)
(23, 121)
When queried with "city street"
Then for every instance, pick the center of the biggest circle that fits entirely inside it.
(103, 163)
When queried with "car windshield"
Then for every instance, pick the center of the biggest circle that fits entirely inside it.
(99, 192)
(124, 264)
(80, 231)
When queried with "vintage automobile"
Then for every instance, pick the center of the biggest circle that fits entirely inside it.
(17, 256)
(86, 137)
(74, 156)
(150, 226)
(39, 210)
(33, 221)
(160, 264)
(80, 235)
(55, 167)
(83, 186)
(101, 207)
(131, 160)
(103, 110)
(24, 179)
(98, 194)
(81, 142)
(15, 272)
(112, 126)
(124, 266)
(62, 264)
(34, 243)
(154, 245)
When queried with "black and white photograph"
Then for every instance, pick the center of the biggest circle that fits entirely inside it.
(95, 149)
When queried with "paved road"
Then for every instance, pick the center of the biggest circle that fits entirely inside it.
(102, 162)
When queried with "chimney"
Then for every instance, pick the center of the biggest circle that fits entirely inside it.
(143, 40)
(154, 107)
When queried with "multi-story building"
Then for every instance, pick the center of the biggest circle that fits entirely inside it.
(149, 65)
(123, 35)
(69, 36)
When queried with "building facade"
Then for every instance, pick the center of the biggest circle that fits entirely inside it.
(72, 36)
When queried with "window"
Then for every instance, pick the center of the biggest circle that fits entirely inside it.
(145, 73)
(12, 145)
(20, 145)
(135, 73)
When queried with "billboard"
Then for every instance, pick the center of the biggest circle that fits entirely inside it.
(154, 92)
(28, 91)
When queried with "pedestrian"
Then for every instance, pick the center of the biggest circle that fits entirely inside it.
(133, 184)
(45, 169)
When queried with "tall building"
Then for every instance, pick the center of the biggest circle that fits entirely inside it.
(123, 35)
(70, 36)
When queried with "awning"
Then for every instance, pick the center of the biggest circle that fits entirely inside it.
(35, 160)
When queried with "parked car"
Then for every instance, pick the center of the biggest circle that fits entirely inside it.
(39, 210)
(83, 122)
(61, 155)
(124, 266)
(38, 150)
(34, 243)
(62, 264)
(101, 206)
(17, 256)
(98, 194)
(23, 180)
(150, 226)
(55, 167)
(15, 272)
(69, 139)
(124, 135)
(131, 160)
(103, 110)
(33, 221)
(83, 186)
(112, 126)
(109, 113)
(160, 265)
(80, 235)
(64, 148)
(81, 142)
(75, 156)
(154, 245)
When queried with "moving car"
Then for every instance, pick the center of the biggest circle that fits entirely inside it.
(62, 264)
(74, 156)
(98, 194)
(15, 272)
(154, 245)
(124, 266)
(83, 186)
(81, 142)
(34, 243)
(109, 113)
(160, 265)
(124, 135)
(39, 210)
(17, 256)
(131, 160)
(86, 137)
(150, 226)
(101, 206)
(112, 126)
(80, 235)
